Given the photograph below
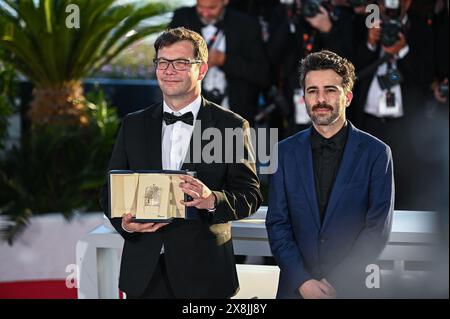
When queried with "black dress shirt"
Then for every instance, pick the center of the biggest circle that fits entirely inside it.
(327, 155)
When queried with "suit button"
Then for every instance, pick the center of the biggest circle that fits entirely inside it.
(322, 240)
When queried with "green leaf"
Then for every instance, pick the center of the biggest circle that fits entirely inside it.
(41, 46)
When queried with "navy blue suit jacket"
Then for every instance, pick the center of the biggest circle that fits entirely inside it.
(357, 220)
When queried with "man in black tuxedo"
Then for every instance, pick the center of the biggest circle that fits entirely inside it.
(238, 64)
(190, 258)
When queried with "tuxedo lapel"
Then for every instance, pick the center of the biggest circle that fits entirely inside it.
(152, 135)
(350, 156)
(203, 121)
(303, 159)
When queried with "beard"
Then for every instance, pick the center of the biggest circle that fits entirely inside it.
(208, 22)
(323, 118)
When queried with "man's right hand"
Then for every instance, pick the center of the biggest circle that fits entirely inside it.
(130, 226)
(321, 21)
(314, 289)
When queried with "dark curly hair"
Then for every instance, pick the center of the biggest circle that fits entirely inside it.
(327, 60)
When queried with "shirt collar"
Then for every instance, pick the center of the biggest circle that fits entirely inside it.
(193, 107)
(339, 139)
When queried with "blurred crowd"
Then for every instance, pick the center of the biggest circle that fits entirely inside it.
(400, 52)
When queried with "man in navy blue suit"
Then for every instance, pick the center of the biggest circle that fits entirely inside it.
(332, 197)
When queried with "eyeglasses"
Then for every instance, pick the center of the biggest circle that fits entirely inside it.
(178, 64)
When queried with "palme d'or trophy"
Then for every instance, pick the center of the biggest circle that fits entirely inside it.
(150, 197)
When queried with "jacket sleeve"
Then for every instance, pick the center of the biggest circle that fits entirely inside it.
(279, 230)
(118, 161)
(241, 196)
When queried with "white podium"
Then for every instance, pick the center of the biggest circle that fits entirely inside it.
(412, 238)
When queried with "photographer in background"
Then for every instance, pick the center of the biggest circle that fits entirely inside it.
(238, 65)
(394, 68)
(296, 29)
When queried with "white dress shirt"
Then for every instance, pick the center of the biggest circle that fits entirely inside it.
(175, 138)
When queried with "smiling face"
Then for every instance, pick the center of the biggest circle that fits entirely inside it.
(181, 87)
(326, 98)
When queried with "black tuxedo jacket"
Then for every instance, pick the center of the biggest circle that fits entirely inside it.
(198, 253)
(246, 65)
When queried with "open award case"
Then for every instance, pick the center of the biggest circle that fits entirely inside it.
(150, 196)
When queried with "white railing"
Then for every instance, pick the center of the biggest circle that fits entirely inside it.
(412, 238)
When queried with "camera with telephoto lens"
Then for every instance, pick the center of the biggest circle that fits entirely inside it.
(389, 32)
(390, 79)
(310, 8)
(305, 8)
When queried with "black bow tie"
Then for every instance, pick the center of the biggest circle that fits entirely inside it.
(323, 143)
(187, 118)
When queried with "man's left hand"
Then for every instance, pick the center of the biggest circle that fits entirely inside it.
(203, 198)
